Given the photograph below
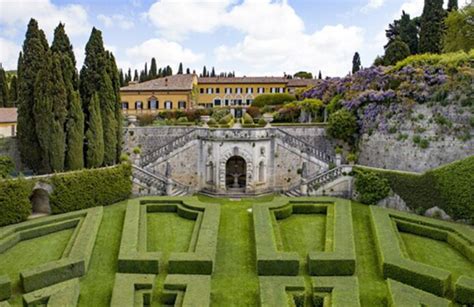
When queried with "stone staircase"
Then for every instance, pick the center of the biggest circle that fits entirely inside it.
(156, 184)
(319, 180)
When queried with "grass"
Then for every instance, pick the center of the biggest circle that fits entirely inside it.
(234, 282)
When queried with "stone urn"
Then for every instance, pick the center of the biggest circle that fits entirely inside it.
(205, 119)
(132, 121)
(268, 118)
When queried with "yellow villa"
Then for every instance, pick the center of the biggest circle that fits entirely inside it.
(8, 122)
(188, 91)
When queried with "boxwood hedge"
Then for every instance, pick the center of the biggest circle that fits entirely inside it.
(404, 295)
(15, 203)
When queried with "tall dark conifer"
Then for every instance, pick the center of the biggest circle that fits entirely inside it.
(13, 92)
(452, 5)
(4, 97)
(213, 72)
(112, 71)
(320, 75)
(180, 69)
(153, 69)
(135, 76)
(94, 135)
(30, 62)
(188, 71)
(431, 27)
(356, 63)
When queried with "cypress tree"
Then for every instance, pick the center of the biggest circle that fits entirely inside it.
(116, 110)
(107, 111)
(13, 92)
(180, 69)
(396, 51)
(188, 71)
(146, 71)
(452, 5)
(320, 75)
(121, 78)
(94, 135)
(30, 62)
(135, 76)
(431, 28)
(204, 71)
(213, 72)
(409, 32)
(74, 124)
(4, 101)
(153, 69)
(356, 63)
(129, 75)
(50, 113)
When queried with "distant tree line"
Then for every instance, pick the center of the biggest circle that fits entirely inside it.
(66, 120)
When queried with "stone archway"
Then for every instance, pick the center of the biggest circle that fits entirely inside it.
(236, 173)
(40, 198)
(247, 157)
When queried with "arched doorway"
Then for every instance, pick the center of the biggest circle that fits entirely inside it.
(40, 202)
(236, 173)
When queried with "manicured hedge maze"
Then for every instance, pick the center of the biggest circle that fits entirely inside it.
(200, 257)
(62, 294)
(394, 265)
(403, 295)
(338, 258)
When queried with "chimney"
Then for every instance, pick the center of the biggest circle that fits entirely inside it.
(166, 81)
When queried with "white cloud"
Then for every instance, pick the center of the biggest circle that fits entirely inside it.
(165, 52)
(177, 18)
(412, 7)
(14, 15)
(8, 54)
(317, 51)
(372, 4)
(116, 20)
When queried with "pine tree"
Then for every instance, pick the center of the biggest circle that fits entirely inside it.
(50, 113)
(30, 62)
(405, 29)
(431, 28)
(94, 135)
(188, 71)
(135, 76)
(74, 123)
(4, 101)
(452, 5)
(13, 92)
(320, 75)
(396, 51)
(180, 69)
(356, 63)
(153, 69)
(213, 72)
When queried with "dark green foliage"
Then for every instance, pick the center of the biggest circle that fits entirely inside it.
(320, 75)
(356, 63)
(31, 61)
(50, 114)
(4, 97)
(404, 295)
(272, 99)
(112, 70)
(5, 287)
(109, 124)
(62, 294)
(15, 201)
(342, 125)
(90, 188)
(303, 75)
(180, 69)
(396, 51)
(406, 30)
(464, 290)
(6, 166)
(431, 26)
(126, 286)
(75, 134)
(344, 290)
(459, 29)
(371, 187)
(452, 5)
(13, 92)
(153, 73)
(94, 135)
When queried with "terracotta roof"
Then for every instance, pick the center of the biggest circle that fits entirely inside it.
(8, 115)
(303, 82)
(170, 83)
(215, 80)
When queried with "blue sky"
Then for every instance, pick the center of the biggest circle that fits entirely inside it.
(250, 37)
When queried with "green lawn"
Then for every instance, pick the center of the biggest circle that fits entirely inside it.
(234, 282)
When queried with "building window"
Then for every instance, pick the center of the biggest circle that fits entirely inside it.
(238, 102)
(13, 130)
(138, 105)
(210, 90)
(124, 105)
(218, 90)
(217, 102)
(168, 105)
(228, 90)
(226, 102)
(201, 90)
(249, 90)
(238, 90)
(152, 104)
(261, 90)
(181, 104)
(281, 90)
(261, 172)
(249, 101)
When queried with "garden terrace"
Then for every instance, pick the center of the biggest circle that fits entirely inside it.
(185, 251)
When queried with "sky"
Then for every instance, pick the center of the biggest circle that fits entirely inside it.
(250, 37)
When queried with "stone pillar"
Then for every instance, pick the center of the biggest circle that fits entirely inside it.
(338, 159)
(304, 188)
(169, 187)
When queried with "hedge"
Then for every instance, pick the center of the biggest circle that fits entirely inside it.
(90, 188)
(274, 290)
(126, 286)
(344, 290)
(61, 294)
(464, 290)
(75, 259)
(272, 99)
(201, 255)
(5, 287)
(15, 203)
(189, 290)
(391, 258)
(450, 187)
(403, 295)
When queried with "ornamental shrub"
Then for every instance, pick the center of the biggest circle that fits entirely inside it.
(90, 188)
(247, 119)
(6, 166)
(272, 99)
(219, 114)
(15, 200)
(182, 120)
(226, 119)
(145, 119)
(342, 125)
(254, 112)
(371, 187)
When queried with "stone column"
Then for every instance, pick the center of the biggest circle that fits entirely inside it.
(169, 187)
(338, 159)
